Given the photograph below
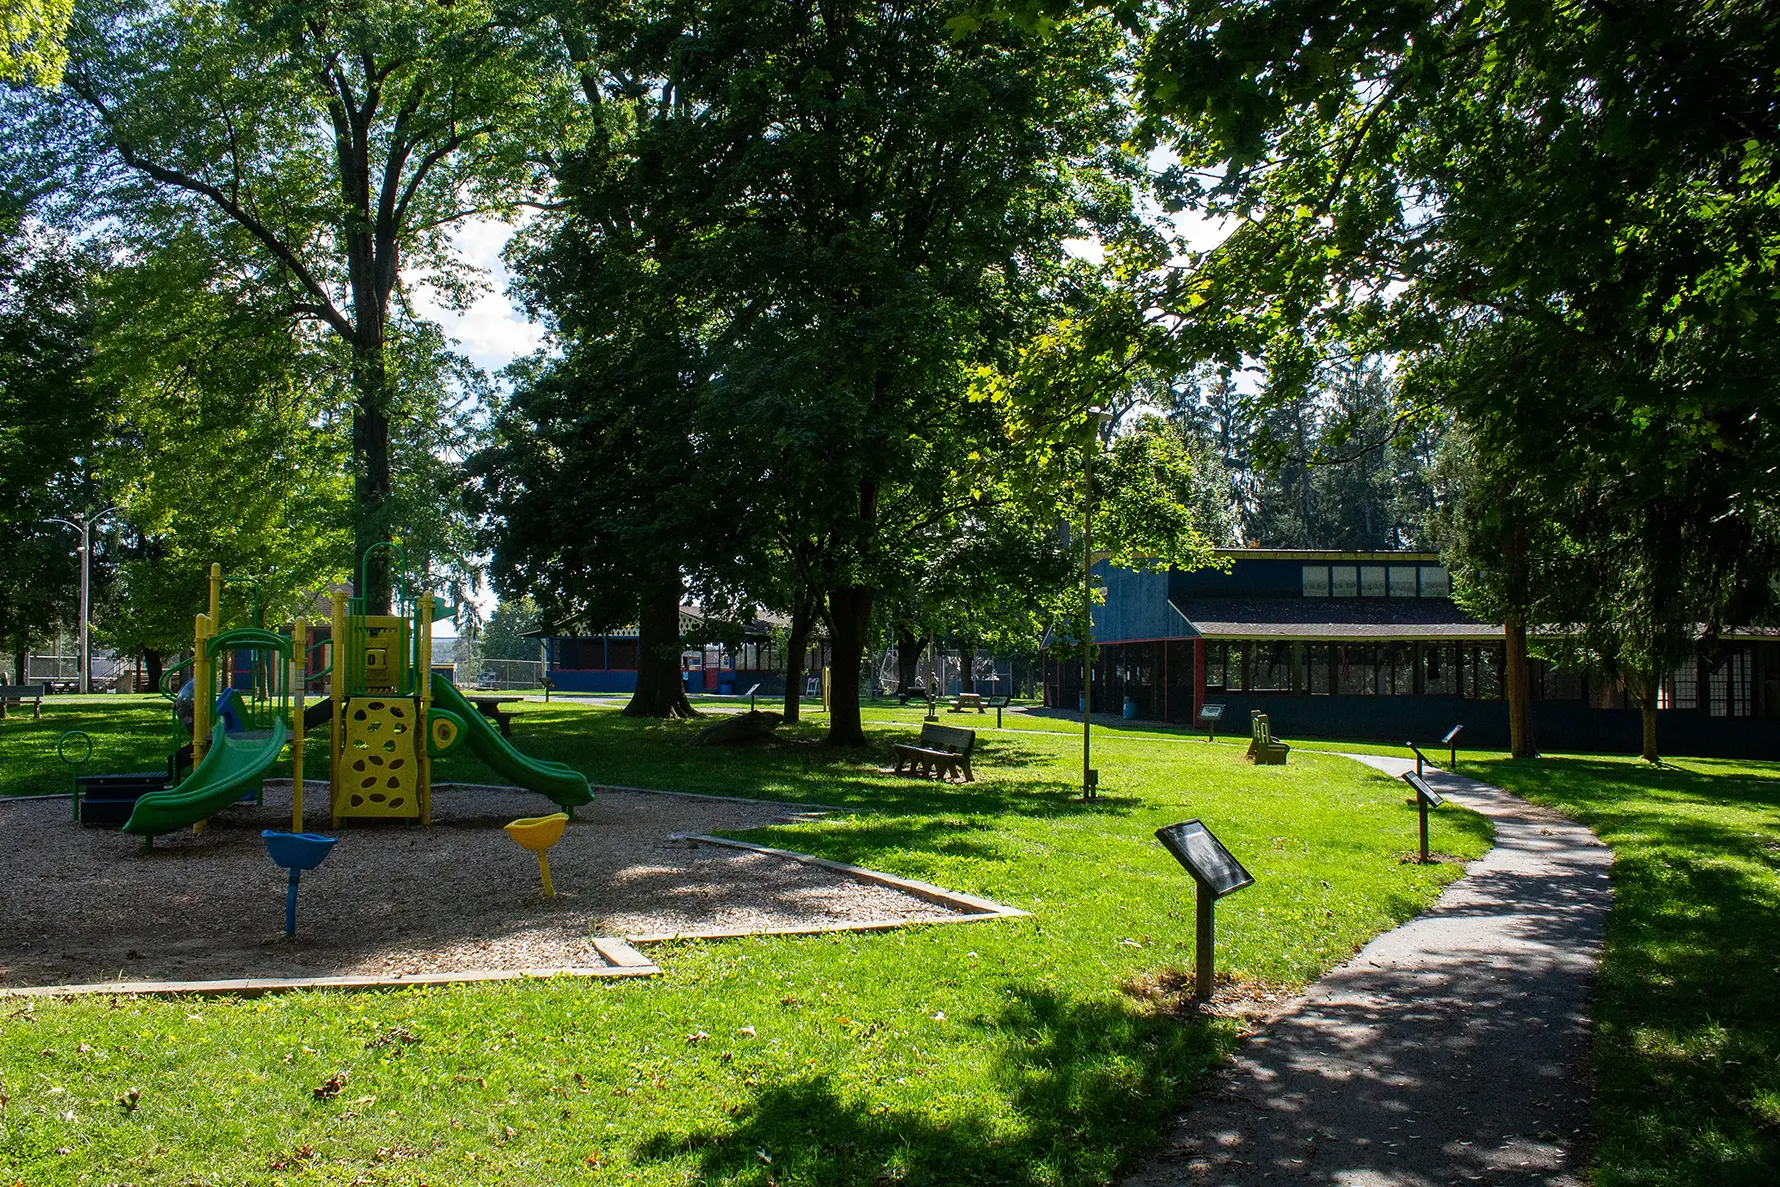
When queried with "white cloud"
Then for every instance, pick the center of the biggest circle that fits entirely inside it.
(492, 332)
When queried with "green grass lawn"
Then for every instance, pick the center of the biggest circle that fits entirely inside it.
(1687, 1014)
(1005, 1052)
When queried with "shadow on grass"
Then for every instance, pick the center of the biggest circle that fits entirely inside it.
(1086, 1086)
(1688, 1037)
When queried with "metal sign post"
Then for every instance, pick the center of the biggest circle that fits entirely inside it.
(1451, 742)
(1216, 873)
(1211, 715)
(750, 695)
(1425, 797)
(1419, 756)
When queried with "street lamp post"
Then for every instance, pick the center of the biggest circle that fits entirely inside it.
(1090, 777)
(84, 525)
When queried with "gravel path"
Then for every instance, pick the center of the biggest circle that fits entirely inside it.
(1450, 1050)
(80, 905)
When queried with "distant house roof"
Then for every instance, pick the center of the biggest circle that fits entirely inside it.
(1385, 619)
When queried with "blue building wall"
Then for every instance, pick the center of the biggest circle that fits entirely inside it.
(1136, 607)
(593, 680)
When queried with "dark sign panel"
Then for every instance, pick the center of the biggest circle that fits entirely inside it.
(1452, 735)
(1211, 713)
(1205, 857)
(1428, 795)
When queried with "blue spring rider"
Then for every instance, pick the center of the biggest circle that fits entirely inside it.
(296, 852)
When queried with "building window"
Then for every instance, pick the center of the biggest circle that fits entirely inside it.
(1271, 668)
(1214, 665)
(1559, 684)
(1480, 671)
(1396, 670)
(1682, 689)
(1357, 675)
(1233, 666)
(1727, 685)
(621, 654)
(1440, 671)
(1318, 682)
(1402, 581)
(1372, 583)
(1436, 582)
(1344, 581)
(1316, 581)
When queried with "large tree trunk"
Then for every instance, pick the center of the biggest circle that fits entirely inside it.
(1518, 686)
(661, 692)
(151, 659)
(797, 655)
(967, 655)
(1647, 686)
(370, 463)
(849, 616)
(908, 660)
(20, 659)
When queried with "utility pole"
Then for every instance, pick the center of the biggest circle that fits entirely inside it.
(1090, 777)
(84, 525)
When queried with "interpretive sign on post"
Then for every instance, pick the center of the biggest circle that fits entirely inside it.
(1216, 873)
(750, 695)
(1211, 715)
(1451, 742)
(1425, 797)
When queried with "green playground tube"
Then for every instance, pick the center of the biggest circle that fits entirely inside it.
(561, 783)
(231, 767)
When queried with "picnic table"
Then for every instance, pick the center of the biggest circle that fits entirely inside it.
(967, 700)
(490, 707)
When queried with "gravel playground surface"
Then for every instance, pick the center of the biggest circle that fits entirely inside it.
(80, 905)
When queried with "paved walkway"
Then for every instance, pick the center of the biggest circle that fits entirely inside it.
(1450, 1050)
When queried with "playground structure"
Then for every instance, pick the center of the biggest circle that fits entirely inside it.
(389, 714)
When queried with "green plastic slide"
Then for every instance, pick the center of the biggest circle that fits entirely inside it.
(563, 784)
(231, 767)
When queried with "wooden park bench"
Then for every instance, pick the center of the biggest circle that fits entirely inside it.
(967, 700)
(12, 695)
(942, 750)
(1264, 749)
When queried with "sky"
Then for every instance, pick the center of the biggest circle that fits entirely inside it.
(491, 332)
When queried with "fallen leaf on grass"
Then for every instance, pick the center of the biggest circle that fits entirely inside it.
(695, 1038)
(397, 1035)
(332, 1088)
(130, 1100)
(284, 1162)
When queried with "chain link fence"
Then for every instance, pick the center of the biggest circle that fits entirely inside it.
(502, 674)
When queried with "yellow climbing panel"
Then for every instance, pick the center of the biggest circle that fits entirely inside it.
(381, 759)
